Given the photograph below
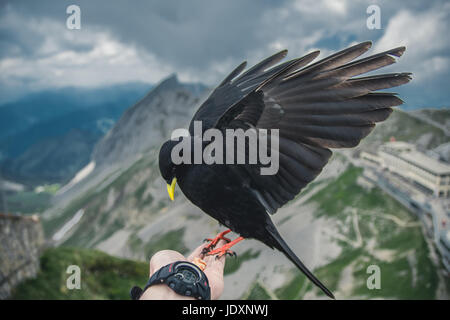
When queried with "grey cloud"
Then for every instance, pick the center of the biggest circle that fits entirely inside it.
(197, 33)
(199, 39)
(179, 32)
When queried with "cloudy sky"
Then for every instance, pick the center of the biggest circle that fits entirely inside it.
(202, 40)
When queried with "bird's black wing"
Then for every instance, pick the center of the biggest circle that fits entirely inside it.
(317, 107)
(232, 90)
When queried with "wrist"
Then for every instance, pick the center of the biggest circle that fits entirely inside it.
(162, 292)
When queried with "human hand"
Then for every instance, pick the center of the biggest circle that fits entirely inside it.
(213, 271)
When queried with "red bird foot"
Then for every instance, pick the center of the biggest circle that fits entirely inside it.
(225, 249)
(213, 242)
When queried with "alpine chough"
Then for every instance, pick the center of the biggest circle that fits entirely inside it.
(315, 107)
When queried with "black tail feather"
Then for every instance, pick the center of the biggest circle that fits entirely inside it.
(281, 245)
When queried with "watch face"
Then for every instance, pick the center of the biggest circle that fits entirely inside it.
(189, 276)
(188, 279)
(187, 273)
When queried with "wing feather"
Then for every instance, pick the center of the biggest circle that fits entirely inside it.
(314, 106)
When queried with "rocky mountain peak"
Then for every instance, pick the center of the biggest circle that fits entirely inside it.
(167, 84)
(167, 106)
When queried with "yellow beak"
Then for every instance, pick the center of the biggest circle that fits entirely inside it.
(171, 188)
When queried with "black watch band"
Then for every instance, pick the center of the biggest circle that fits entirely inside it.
(183, 277)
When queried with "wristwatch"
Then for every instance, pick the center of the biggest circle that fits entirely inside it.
(183, 277)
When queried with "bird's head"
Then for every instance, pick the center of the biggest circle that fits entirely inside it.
(167, 167)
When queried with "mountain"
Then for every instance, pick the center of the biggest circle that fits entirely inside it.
(37, 107)
(52, 160)
(338, 225)
(47, 137)
(103, 276)
(140, 130)
(148, 122)
(437, 117)
(414, 127)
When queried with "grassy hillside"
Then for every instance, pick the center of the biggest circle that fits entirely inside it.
(441, 116)
(404, 127)
(31, 201)
(372, 229)
(129, 214)
(25, 202)
(112, 207)
(102, 276)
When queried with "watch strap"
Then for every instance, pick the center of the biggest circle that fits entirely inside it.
(165, 275)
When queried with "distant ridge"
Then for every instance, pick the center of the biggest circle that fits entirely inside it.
(140, 128)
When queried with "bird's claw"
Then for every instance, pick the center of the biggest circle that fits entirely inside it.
(222, 253)
(213, 242)
(231, 253)
(210, 249)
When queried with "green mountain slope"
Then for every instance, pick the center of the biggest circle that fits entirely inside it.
(403, 126)
(102, 276)
(441, 116)
(337, 226)
(371, 229)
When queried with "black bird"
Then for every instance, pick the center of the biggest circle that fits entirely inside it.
(315, 107)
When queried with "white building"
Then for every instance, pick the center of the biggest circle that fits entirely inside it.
(401, 158)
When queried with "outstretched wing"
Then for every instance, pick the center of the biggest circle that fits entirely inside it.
(316, 107)
(231, 91)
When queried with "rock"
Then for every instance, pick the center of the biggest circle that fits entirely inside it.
(21, 239)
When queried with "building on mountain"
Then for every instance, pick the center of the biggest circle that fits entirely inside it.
(418, 181)
(427, 174)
